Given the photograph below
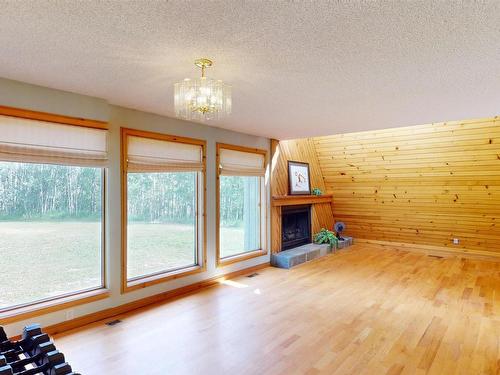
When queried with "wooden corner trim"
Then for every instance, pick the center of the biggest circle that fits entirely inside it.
(57, 304)
(51, 117)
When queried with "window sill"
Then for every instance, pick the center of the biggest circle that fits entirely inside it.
(240, 257)
(46, 307)
(146, 281)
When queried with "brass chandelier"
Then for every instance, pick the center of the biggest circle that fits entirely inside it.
(202, 98)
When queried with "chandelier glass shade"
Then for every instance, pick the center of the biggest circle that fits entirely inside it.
(202, 98)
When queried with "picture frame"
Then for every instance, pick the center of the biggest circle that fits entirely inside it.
(299, 182)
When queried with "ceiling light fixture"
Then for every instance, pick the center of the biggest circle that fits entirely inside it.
(202, 98)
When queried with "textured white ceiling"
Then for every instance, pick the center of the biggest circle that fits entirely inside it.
(297, 68)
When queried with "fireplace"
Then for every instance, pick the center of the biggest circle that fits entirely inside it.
(295, 226)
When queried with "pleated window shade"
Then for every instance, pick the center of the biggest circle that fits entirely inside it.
(241, 163)
(32, 141)
(154, 155)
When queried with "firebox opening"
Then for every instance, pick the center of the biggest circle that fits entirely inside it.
(295, 226)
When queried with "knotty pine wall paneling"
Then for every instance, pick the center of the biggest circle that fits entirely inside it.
(423, 185)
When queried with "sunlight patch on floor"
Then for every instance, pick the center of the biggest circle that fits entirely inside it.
(234, 284)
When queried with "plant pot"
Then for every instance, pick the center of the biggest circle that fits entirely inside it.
(345, 242)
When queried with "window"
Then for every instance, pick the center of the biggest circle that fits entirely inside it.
(163, 224)
(241, 203)
(51, 210)
(239, 215)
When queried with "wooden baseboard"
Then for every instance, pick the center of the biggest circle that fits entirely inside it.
(157, 298)
(435, 250)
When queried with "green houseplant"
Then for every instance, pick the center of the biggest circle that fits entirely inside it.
(326, 236)
(317, 191)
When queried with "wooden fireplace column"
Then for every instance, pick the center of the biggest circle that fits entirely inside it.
(321, 206)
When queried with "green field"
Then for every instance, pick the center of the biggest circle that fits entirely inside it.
(44, 259)
(172, 246)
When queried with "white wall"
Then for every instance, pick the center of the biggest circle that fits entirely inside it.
(27, 96)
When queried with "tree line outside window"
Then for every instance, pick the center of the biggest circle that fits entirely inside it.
(54, 192)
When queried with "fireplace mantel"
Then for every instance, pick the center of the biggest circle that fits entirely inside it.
(292, 200)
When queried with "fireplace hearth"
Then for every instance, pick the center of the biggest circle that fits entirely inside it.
(295, 226)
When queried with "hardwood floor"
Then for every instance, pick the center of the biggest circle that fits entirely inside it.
(367, 310)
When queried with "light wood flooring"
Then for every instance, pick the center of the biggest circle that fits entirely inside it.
(367, 310)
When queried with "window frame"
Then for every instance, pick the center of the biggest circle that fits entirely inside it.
(139, 282)
(224, 261)
(56, 303)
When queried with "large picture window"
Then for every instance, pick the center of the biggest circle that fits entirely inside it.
(241, 203)
(163, 186)
(161, 222)
(51, 210)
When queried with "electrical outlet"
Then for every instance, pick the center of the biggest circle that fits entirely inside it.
(70, 314)
(456, 241)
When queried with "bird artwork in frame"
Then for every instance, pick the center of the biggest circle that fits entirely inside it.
(298, 178)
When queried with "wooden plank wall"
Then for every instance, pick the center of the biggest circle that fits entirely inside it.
(423, 184)
(296, 150)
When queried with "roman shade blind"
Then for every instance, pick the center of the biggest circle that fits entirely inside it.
(241, 163)
(25, 140)
(155, 155)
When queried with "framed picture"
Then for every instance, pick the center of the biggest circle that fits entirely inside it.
(298, 178)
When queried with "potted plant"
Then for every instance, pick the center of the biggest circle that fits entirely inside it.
(326, 236)
(317, 191)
